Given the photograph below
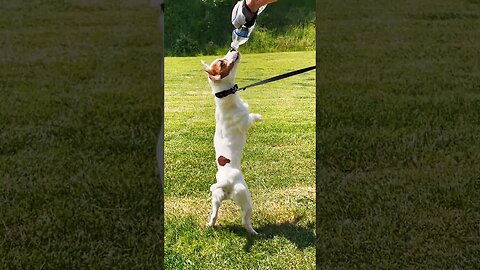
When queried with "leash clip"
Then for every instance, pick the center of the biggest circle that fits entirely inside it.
(235, 88)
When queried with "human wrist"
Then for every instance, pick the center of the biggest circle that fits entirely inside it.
(250, 15)
(252, 5)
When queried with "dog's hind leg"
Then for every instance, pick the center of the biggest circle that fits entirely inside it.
(217, 197)
(242, 198)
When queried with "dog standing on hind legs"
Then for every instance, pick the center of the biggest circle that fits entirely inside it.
(232, 122)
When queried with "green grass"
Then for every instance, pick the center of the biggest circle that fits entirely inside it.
(295, 38)
(79, 119)
(278, 164)
(282, 27)
(398, 144)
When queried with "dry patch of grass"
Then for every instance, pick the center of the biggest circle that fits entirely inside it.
(277, 206)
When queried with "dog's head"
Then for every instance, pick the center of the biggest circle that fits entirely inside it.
(221, 72)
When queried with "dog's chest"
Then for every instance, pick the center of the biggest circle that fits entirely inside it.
(230, 124)
(231, 114)
(230, 134)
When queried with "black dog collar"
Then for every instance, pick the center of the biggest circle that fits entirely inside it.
(227, 92)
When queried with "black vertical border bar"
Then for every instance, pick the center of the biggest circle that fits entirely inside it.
(160, 142)
(317, 122)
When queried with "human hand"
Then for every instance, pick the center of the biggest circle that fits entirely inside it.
(254, 5)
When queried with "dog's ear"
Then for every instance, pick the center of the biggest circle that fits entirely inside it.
(207, 69)
(205, 66)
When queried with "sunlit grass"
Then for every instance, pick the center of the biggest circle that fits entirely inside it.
(398, 135)
(278, 164)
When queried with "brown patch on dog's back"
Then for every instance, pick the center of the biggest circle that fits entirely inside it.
(222, 161)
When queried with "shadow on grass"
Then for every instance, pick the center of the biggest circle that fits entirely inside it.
(301, 236)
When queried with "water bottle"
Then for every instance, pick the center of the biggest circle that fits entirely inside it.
(241, 35)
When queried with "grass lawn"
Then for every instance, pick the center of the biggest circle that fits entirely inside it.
(79, 119)
(398, 119)
(278, 164)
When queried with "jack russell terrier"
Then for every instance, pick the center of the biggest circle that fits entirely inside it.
(232, 122)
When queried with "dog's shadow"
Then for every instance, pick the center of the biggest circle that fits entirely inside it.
(301, 236)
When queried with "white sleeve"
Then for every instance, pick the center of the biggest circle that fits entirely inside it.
(238, 19)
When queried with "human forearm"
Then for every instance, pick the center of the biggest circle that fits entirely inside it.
(254, 5)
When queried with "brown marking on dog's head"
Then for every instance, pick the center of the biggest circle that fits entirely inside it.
(220, 68)
(222, 161)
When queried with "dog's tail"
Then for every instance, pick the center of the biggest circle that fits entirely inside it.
(256, 117)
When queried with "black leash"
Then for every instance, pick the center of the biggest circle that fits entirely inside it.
(235, 88)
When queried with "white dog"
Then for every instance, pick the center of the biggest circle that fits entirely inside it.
(232, 122)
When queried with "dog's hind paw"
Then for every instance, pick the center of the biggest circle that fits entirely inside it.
(209, 225)
(250, 230)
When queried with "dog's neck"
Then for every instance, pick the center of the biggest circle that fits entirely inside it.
(225, 101)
